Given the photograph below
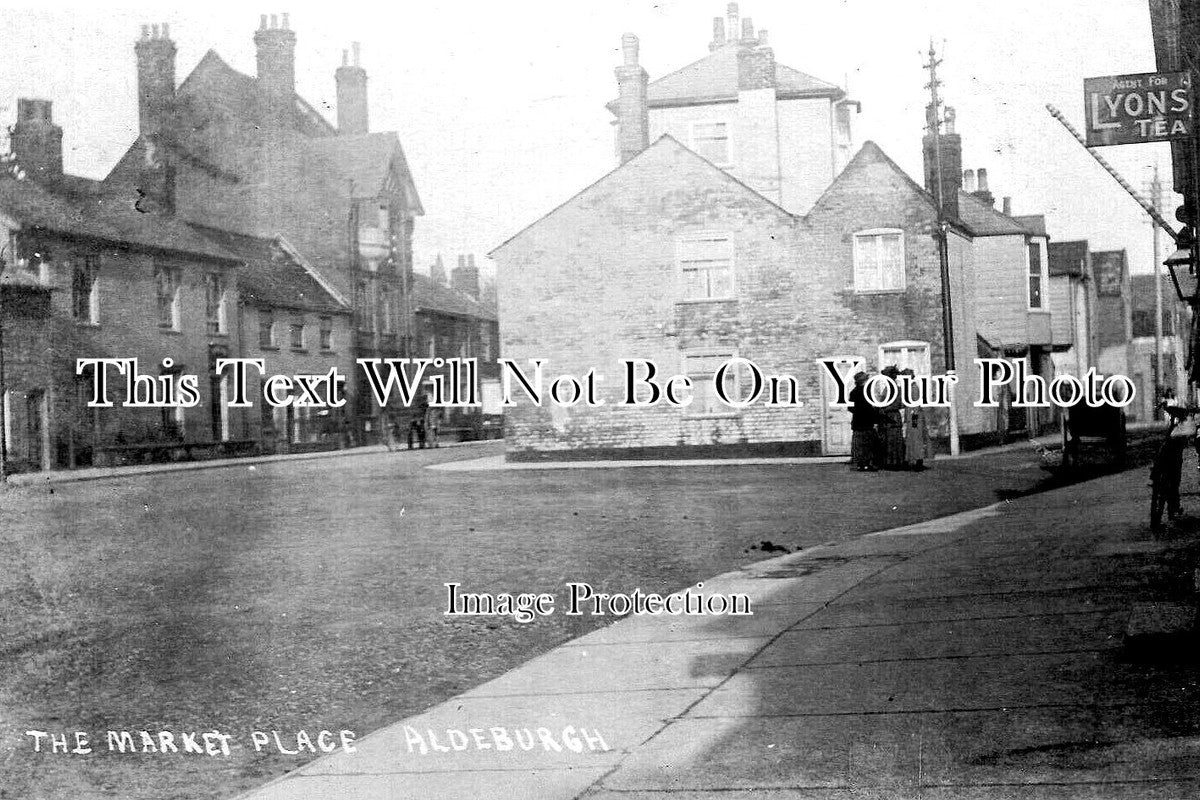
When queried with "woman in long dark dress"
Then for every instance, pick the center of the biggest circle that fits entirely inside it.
(891, 427)
(862, 427)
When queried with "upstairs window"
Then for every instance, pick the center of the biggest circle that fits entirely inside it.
(879, 261)
(266, 329)
(326, 333)
(1037, 277)
(711, 140)
(166, 286)
(296, 335)
(387, 310)
(85, 291)
(214, 303)
(706, 266)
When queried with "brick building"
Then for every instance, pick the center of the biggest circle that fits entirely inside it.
(456, 317)
(89, 277)
(705, 245)
(247, 154)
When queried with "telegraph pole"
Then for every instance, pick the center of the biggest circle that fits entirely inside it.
(1156, 199)
(934, 124)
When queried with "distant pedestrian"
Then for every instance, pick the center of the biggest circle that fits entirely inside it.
(917, 447)
(891, 427)
(862, 427)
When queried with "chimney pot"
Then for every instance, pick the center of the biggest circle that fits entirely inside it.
(356, 48)
(285, 21)
(629, 48)
(1007, 206)
(747, 28)
(969, 180)
(762, 37)
(145, 31)
(154, 31)
(732, 14)
(345, 58)
(950, 117)
(262, 22)
(166, 31)
(462, 261)
(983, 180)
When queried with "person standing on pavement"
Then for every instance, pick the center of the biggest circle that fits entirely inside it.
(917, 447)
(862, 426)
(891, 427)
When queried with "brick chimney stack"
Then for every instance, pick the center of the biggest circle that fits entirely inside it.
(37, 141)
(465, 277)
(276, 46)
(351, 95)
(155, 77)
(950, 145)
(718, 39)
(633, 116)
(983, 193)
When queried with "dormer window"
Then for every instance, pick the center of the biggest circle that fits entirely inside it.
(711, 140)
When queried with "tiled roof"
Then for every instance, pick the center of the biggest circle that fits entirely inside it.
(272, 276)
(429, 295)
(984, 220)
(106, 218)
(1068, 258)
(715, 77)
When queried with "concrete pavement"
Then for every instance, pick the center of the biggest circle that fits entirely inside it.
(979, 655)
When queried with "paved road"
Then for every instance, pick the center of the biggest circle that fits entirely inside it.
(307, 595)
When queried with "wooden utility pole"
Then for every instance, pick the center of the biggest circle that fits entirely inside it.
(934, 124)
(1156, 199)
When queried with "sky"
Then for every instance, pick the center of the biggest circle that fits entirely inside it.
(500, 105)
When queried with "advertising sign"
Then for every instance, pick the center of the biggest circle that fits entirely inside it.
(1136, 109)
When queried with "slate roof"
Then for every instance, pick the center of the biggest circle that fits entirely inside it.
(1034, 223)
(366, 160)
(431, 296)
(273, 277)
(1068, 258)
(239, 94)
(714, 78)
(101, 217)
(985, 220)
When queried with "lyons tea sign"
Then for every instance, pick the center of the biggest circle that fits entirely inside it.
(1137, 109)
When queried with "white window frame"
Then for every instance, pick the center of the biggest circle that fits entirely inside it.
(701, 381)
(221, 319)
(907, 344)
(860, 285)
(692, 141)
(325, 326)
(682, 242)
(1043, 273)
(174, 276)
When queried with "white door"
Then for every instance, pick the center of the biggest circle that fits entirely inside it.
(836, 419)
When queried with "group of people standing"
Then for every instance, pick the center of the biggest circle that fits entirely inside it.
(887, 437)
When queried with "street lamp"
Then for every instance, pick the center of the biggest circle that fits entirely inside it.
(1183, 273)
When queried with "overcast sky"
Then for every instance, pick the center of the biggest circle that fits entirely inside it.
(500, 105)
